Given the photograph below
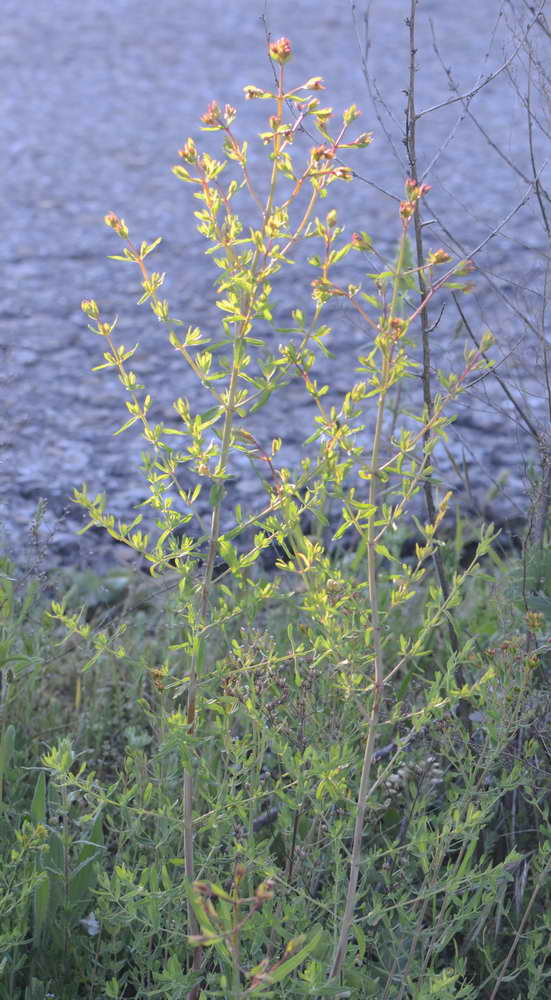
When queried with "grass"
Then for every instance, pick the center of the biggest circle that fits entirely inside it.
(455, 848)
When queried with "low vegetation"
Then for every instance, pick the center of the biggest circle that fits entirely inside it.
(307, 755)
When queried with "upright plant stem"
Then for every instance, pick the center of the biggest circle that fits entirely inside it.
(411, 149)
(225, 447)
(378, 663)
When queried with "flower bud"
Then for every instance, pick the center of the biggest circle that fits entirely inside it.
(438, 257)
(229, 114)
(317, 153)
(350, 114)
(365, 139)
(240, 872)
(397, 327)
(211, 117)
(415, 190)
(280, 51)
(112, 220)
(265, 890)
(252, 92)
(188, 152)
(344, 173)
(90, 308)
(361, 241)
(314, 83)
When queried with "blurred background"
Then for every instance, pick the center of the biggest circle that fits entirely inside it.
(95, 101)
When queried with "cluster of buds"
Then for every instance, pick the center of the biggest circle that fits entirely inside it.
(361, 241)
(438, 257)
(535, 620)
(158, 677)
(323, 116)
(280, 51)
(397, 328)
(214, 118)
(343, 173)
(465, 267)
(251, 92)
(264, 892)
(365, 139)
(414, 192)
(90, 308)
(350, 114)
(117, 224)
(322, 153)
(285, 130)
(407, 209)
(314, 83)
(188, 152)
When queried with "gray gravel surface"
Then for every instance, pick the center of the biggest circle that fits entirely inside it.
(95, 100)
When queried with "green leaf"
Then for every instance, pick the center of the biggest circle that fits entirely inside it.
(289, 965)
(38, 804)
(83, 878)
(41, 906)
(6, 749)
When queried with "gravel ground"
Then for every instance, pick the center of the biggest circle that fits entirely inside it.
(95, 100)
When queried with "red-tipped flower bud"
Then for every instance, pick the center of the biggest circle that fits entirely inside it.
(438, 257)
(112, 220)
(90, 308)
(314, 83)
(251, 92)
(281, 50)
(350, 114)
(188, 152)
(211, 117)
(229, 114)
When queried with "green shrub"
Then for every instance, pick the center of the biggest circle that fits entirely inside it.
(290, 784)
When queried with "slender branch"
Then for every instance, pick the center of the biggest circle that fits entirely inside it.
(474, 90)
(378, 662)
(411, 148)
(540, 882)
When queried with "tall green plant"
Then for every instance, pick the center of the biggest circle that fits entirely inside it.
(347, 628)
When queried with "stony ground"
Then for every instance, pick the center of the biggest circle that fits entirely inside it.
(95, 100)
